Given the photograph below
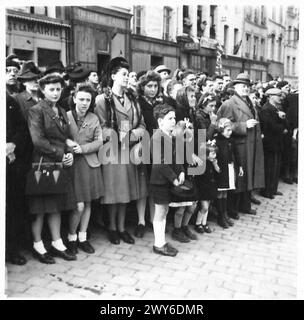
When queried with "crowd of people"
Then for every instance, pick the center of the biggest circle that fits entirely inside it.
(64, 116)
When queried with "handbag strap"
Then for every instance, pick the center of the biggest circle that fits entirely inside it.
(40, 162)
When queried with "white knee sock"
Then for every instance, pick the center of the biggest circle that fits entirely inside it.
(82, 236)
(58, 244)
(205, 218)
(200, 217)
(159, 233)
(39, 247)
(72, 237)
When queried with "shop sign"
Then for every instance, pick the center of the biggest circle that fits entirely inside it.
(208, 43)
(33, 27)
(191, 46)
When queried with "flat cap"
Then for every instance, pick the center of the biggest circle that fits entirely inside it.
(273, 92)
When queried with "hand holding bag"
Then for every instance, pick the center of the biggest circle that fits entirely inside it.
(184, 192)
(46, 178)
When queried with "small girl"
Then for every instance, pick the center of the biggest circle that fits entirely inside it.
(184, 210)
(206, 187)
(226, 176)
(88, 181)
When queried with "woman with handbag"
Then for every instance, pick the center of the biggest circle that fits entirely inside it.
(88, 181)
(122, 125)
(50, 129)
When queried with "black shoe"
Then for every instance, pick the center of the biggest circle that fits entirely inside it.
(171, 247)
(66, 254)
(139, 231)
(178, 235)
(234, 215)
(255, 200)
(188, 233)
(222, 222)
(228, 220)
(165, 250)
(113, 237)
(288, 181)
(44, 258)
(125, 236)
(206, 228)
(17, 259)
(251, 211)
(278, 193)
(295, 180)
(199, 228)
(86, 247)
(72, 246)
(266, 195)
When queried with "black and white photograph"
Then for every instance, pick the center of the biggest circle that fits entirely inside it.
(152, 152)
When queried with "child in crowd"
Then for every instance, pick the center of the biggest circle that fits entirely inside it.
(184, 209)
(226, 176)
(206, 187)
(165, 174)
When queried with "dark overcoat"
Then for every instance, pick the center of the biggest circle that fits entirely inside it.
(273, 127)
(248, 142)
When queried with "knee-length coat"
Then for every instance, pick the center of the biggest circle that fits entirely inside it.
(123, 182)
(248, 142)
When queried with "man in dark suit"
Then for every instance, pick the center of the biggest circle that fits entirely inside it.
(274, 127)
(17, 140)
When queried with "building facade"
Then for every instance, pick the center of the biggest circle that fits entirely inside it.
(291, 46)
(38, 33)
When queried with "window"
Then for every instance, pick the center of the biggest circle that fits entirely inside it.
(289, 34)
(235, 36)
(272, 48)
(248, 14)
(24, 54)
(274, 13)
(295, 34)
(263, 16)
(256, 15)
(137, 27)
(226, 35)
(279, 49)
(156, 61)
(47, 56)
(293, 68)
(248, 45)
(281, 14)
(255, 47)
(196, 62)
(262, 49)
(167, 20)
(39, 10)
(288, 65)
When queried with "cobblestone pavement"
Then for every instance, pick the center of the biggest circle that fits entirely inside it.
(255, 259)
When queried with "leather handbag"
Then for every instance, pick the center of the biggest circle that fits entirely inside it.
(47, 178)
(184, 192)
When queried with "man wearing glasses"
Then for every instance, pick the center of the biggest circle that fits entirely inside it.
(12, 70)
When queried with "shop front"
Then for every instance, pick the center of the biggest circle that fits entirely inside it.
(147, 53)
(38, 38)
(99, 34)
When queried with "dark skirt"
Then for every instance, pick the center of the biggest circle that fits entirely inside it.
(160, 193)
(206, 187)
(55, 203)
(88, 181)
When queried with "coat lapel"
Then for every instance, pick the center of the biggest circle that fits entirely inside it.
(73, 125)
(53, 116)
(242, 106)
(119, 107)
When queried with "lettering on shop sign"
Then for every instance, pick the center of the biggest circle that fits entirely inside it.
(33, 27)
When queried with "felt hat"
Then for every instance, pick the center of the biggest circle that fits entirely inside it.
(162, 68)
(242, 78)
(79, 73)
(282, 84)
(55, 66)
(12, 63)
(116, 63)
(273, 92)
(29, 71)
